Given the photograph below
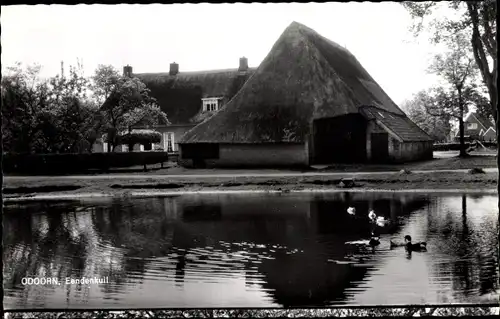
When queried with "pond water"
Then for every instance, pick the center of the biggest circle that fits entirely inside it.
(252, 250)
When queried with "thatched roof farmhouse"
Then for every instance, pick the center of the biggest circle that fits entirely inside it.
(310, 101)
(188, 98)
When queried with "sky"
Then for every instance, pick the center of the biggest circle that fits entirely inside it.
(212, 36)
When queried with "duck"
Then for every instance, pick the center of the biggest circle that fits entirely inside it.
(372, 215)
(374, 240)
(351, 211)
(381, 221)
(409, 246)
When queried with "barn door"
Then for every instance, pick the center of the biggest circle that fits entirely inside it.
(380, 147)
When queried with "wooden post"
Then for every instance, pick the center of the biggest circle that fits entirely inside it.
(145, 168)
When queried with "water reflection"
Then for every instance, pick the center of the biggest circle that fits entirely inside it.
(250, 251)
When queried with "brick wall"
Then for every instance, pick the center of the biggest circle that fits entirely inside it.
(409, 151)
(399, 152)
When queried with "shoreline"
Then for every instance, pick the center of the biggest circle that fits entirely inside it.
(147, 194)
(31, 188)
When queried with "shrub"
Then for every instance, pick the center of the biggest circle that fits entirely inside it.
(140, 137)
(71, 163)
(456, 146)
(449, 146)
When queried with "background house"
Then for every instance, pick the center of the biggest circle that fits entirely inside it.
(477, 127)
(309, 102)
(188, 98)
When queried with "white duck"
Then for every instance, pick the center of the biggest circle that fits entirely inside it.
(372, 215)
(381, 221)
(351, 211)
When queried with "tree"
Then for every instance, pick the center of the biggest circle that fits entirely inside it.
(104, 82)
(478, 19)
(24, 98)
(127, 106)
(438, 127)
(448, 102)
(46, 116)
(74, 114)
(455, 66)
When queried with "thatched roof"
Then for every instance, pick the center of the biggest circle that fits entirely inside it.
(179, 96)
(304, 77)
(399, 125)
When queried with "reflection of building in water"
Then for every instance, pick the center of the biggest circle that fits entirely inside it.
(305, 229)
(170, 207)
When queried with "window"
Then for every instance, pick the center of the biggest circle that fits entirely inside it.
(210, 104)
(396, 145)
(168, 142)
(472, 126)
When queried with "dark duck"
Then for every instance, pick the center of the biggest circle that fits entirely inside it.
(409, 246)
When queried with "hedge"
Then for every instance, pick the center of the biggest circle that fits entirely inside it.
(456, 146)
(139, 137)
(71, 163)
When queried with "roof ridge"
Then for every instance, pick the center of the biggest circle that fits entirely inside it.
(236, 70)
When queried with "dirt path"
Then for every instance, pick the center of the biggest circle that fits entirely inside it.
(234, 175)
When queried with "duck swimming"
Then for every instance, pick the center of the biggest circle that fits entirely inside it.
(372, 215)
(409, 246)
(381, 221)
(351, 211)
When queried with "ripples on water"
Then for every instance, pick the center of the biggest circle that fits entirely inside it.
(250, 251)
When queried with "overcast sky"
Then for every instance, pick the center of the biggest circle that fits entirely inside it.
(212, 36)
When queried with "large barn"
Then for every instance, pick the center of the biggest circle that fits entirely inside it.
(309, 102)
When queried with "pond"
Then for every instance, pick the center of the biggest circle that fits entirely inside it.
(250, 250)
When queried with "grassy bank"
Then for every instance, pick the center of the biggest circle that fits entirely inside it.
(124, 186)
(178, 179)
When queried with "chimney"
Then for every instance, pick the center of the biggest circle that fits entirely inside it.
(127, 71)
(243, 64)
(174, 68)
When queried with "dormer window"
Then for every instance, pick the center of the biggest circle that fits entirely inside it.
(210, 104)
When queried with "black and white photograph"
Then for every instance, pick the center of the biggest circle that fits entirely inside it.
(329, 156)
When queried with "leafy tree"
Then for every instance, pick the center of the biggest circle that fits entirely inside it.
(74, 114)
(47, 116)
(128, 105)
(438, 127)
(455, 66)
(104, 81)
(477, 19)
(446, 102)
(24, 98)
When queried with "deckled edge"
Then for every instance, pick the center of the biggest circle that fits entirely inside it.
(409, 311)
